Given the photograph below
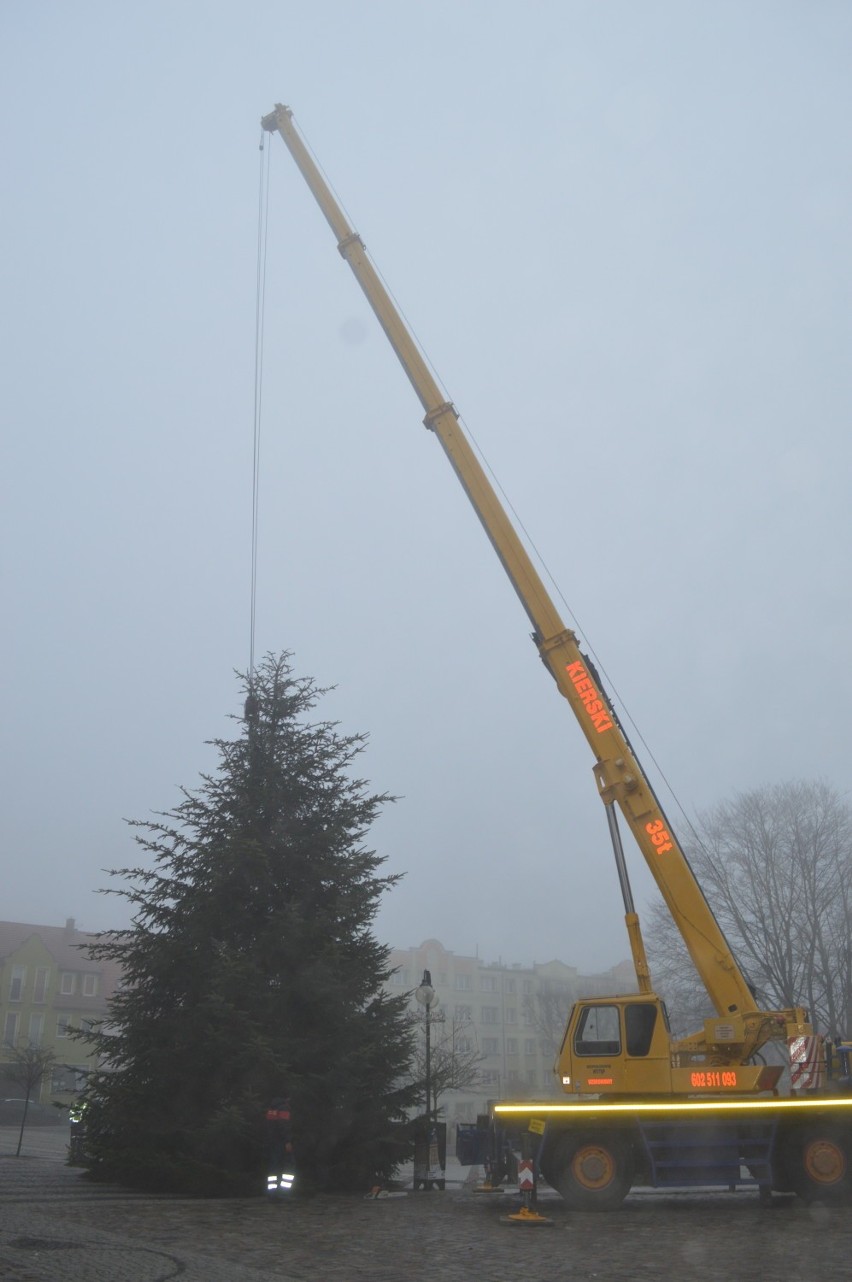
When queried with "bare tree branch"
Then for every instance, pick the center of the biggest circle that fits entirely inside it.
(455, 1057)
(776, 866)
(30, 1065)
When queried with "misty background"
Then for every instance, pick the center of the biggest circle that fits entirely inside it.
(621, 233)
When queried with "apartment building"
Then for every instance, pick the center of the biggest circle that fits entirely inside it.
(509, 1015)
(49, 986)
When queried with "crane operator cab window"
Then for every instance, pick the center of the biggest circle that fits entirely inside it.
(639, 1022)
(598, 1033)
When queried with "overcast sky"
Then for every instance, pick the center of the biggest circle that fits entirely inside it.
(621, 232)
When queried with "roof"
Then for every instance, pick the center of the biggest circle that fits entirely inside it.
(65, 944)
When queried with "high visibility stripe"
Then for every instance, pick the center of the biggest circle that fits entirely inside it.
(526, 1179)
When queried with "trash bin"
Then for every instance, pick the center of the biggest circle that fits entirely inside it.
(430, 1154)
(471, 1144)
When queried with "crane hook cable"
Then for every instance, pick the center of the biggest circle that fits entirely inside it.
(260, 310)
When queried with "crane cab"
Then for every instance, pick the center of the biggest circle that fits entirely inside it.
(616, 1046)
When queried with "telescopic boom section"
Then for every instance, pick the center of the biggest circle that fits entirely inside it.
(619, 776)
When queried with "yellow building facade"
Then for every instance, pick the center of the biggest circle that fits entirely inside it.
(49, 987)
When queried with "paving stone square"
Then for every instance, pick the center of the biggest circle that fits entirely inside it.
(57, 1226)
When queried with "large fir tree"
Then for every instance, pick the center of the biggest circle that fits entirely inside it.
(251, 970)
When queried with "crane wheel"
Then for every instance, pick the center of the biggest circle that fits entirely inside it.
(819, 1164)
(825, 1161)
(592, 1172)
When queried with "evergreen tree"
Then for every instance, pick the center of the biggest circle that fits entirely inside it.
(251, 971)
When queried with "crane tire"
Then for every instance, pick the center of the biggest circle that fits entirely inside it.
(818, 1163)
(592, 1171)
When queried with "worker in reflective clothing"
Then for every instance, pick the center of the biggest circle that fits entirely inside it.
(279, 1139)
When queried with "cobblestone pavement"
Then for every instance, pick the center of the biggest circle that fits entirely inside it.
(57, 1227)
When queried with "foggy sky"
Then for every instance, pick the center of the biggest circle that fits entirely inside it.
(622, 234)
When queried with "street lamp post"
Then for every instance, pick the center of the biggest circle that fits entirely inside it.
(428, 998)
(425, 994)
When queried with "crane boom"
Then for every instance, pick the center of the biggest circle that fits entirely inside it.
(620, 778)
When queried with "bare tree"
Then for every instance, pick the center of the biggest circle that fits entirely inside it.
(546, 1011)
(455, 1057)
(776, 867)
(673, 974)
(30, 1066)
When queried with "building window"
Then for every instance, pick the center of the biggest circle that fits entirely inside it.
(490, 1015)
(36, 1029)
(511, 1015)
(16, 983)
(490, 1046)
(464, 1014)
(528, 986)
(63, 1023)
(68, 1078)
(66, 983)
(464, 1045)
(40, 984)
(463, 983)
(529, 1046)
(488, 983)
(10, 1028)
(511, 1045)
(90, 985)
(490, 1078)
(510, 986)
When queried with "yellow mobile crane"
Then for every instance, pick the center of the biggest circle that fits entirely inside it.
(697, 1109)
